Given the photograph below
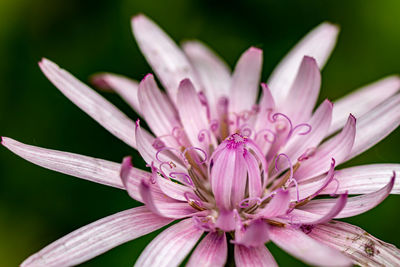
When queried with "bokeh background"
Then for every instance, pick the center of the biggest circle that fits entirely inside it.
(38, 206)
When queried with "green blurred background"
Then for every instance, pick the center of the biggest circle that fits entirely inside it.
(38, 206)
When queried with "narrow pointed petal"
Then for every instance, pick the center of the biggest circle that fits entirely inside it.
(318, 44)
(363, 179)
(211, 252)
(125, 87)
(328, 214)
(97, 238)
(355, 205)
(307, 249)
(158, 112)
(171, 246)
(254, 177)
(193, 116)
(254, 234)
(88, 168)
(164, 207)
(375, 125)
(90, 102)
(357, 244)
(277, 206)
(254, 257)
(338, 147)
(266, 105)
(132, 179)
(303, 94)
(319, 122)
(164, 56)
(213, 72)
(363, 100)
(245, 80)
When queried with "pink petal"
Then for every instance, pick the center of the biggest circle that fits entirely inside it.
(90, 102)
(318, 44)
(213, 72)
(375, 125)
(98, 237)
(158, 112)
(193, 116)
(319, 122)
(266, 105)
(363, 100)
(245, 80)
(355, 205)
(253, 257)
(131, 179)
(125, 87)
(171, 246)
(307, 249)
(357, 244)
(88, 168)
(164, 207)
(164, 56)
(303, 216)
(254, 177)
(303, 94)
(338, 147)
(363, 179)
(278, 205)
(228, 168)
(254, 234)
(211, 252)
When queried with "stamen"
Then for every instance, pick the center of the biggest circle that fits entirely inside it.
(268, 133)
(199, 149)
(177, 133)
(307, 154)
(297, 187)
(275, 118)
(214, 125)
(246, 202)
(187, 179)
(337, 187)
(153, 177)
(245, 130)
(164, 149)
(202, 136)
(158, 144)
(195, 203)
(290, 164)
(308, 126)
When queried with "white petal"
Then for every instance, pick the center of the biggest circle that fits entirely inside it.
(245, 80)
(213, 72)
(164, 56)
(171, 246)
(375, 125)
(363, 100)
(88, 168)
(318, 44)
(125, 87)
(96, 238)
(91, 102)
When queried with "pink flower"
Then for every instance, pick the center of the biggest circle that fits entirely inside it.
(239, 172)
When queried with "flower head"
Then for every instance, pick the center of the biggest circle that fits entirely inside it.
(241, 172)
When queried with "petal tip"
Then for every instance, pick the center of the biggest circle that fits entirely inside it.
(254, 49)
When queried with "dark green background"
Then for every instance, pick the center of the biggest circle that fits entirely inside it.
(38, 206)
